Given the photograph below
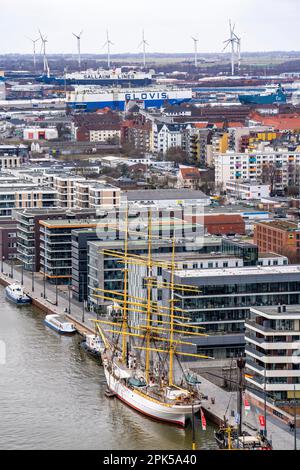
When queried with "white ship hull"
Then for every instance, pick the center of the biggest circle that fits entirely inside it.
(175, 414)
(91, 99)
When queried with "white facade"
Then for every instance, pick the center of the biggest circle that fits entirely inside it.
(165, 137)
(272, 350)
(247, 191)
(232, 166)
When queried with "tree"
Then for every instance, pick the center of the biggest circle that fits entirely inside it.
(177, 155)
(269, 175)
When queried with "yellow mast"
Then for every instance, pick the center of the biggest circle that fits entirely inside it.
(171, 364)
(125, 322)
(149, 292)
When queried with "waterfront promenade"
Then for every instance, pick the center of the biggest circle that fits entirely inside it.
(78, 314)
(225, 404)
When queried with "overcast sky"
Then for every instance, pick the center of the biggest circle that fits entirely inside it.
(264, 25)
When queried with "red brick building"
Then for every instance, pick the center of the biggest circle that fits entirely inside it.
(224, 224)
(281, 237)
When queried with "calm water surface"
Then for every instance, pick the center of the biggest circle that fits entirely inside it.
(52, 395)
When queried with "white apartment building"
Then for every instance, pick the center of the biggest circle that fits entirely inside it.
(273, 354)
(247, 190)
(232, 166)
(166, 136)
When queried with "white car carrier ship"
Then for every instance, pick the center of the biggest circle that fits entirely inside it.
(91, 99)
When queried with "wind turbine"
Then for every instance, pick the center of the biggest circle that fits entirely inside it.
(46, 66)
(232, 41)
(34, 41)
(238, 42)
(108, 43)
(195, 50)
(144, 43)
(78, 37)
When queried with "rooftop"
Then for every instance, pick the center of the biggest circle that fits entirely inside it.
(282, 225)
(272, 311)
(163, 194)
(243, 271)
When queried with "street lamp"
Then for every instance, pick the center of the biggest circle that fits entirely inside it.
(11, 268)
(22, 273)
(2, 259)
(295, 419)
(69, 292)
(32, 275)
(82, 299)
(56, 292)
(241, 366)
(265, 402)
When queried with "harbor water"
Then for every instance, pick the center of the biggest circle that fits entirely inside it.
(52, 395)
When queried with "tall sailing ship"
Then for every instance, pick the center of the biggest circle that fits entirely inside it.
(139, 358)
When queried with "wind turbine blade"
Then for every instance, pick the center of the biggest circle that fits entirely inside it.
(225, 47)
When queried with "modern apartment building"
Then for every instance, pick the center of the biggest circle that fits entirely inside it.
(95, 194)
(273, 357)
(225, 298)
(107, 272)
(56, 247)
(8, 239)
(80, 239)
(64, 185)
(28, 231)
(12, 156)
(20, 194)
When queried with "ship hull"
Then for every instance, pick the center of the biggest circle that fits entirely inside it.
(172, 414)
(256, 99)
(24, 300)
(92, 352)
(57, 329)
(120, 105)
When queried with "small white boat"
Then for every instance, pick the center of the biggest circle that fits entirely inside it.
(60, 324)
(93, 345)
(15, 293)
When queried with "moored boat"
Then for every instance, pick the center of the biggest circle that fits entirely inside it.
(168, 404)
(60, 324)
(227, 438)
(92, 345)
(15, 293)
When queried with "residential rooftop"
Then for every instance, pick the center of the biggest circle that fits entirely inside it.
(285, 225)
